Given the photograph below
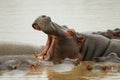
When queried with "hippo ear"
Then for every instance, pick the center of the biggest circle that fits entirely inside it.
(108, 32)
(71, 32)
(81, 39)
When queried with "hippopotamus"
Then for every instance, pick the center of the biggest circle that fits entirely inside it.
(109, 67)
(19, 62)
(16, 55)
(111, 34)
(67, 43)
(112, 57)
(100, 67)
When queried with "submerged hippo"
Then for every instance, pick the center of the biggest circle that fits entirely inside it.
(14, 55)
(21, 62)
(100, 67)
(66, 43)
(111, 34)
(112, 57)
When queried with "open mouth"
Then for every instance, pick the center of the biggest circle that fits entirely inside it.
(51, 45)
(48, 49)
(47, 27)
(54, 33)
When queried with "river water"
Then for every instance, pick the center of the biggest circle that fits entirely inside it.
(65, 72)
(16, 17)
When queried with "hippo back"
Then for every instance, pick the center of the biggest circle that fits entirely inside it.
(94, 46)
(114, 47)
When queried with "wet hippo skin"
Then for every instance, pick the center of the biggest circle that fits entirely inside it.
(112, 57)
(21, 62)
(61, 41)
(16, 55)
(111, 34)
(66, 43)
(97, 46)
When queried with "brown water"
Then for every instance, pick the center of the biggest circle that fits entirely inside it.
(79, 72)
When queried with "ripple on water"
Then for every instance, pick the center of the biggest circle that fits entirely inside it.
(62, 67)
(64, 71)
(23, 75)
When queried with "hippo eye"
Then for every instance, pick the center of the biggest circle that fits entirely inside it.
(43, 16)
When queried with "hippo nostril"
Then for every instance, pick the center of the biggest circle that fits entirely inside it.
(43, 16)
(33, 25)
(15, 67)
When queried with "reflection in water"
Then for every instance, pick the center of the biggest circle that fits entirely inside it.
(22, 75)
(14, 73)
(81, 73)
(67, 65)
(62, 67)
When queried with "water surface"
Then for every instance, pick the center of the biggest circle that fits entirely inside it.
(79, 72)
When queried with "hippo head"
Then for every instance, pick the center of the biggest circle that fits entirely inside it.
(113, 34)
(43, 23)
(62, 42)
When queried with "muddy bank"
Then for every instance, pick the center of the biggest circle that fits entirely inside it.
(16, 55)
(17, 48)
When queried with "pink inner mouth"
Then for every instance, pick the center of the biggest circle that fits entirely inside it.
(47, 51)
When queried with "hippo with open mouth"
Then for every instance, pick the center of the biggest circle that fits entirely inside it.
(61, 41)
(66, 43)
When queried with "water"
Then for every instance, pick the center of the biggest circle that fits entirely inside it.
(60, 72)
(22, 75)
(16, 17)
